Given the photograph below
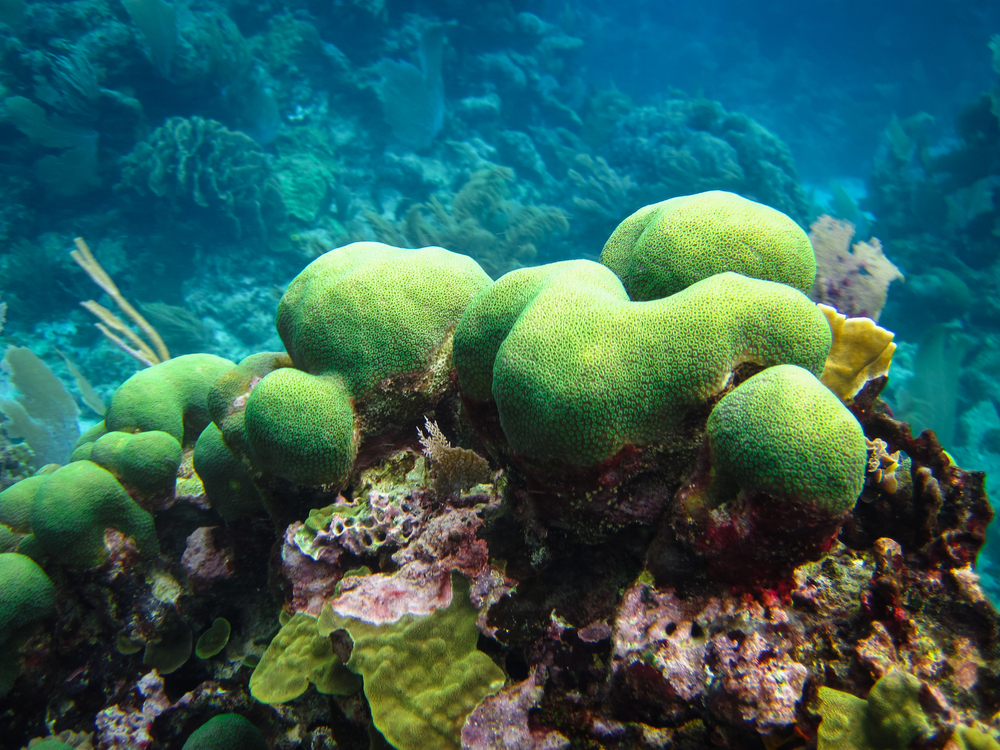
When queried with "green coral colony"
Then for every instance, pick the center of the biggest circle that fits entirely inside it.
(578, 376)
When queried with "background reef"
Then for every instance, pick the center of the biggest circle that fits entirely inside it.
(209, 151)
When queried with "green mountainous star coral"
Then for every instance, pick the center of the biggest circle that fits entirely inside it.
(587, 504)
(578, 371)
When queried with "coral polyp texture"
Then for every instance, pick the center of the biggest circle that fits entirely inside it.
(226, 732)
(371, 313)
(578, 371)
(26, 596)
(368, 329)
(664, 248)
(169, 397)
(301, 427)
(75, 505)
(563, 509)
(784, 433)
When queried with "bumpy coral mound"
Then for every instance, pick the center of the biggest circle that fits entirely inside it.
(16, 501)
(228, 395)
(169, 397)
(369, 331)
(75, 506)
(664, 248)
(146, 461)
(226, 732)
(301, 427)
(784, 433)
(369, 312)
(26, 593)
(227, 480)
(26, 596)
(578, 371)
(784, 460)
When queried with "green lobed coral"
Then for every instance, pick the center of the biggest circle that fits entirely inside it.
(301, 427)
(785, 433)
(147, 461)
(75, 506)
(169, 397)
(83, 446)
(578, 370)
(229, 392)
(213, 640)
(9, 539)
(422, 675)
(354, 319)
(16, 502)
(368, 311)
(171, 649)
(664, 248)
(226, 732)
(297, 656)
(228, 483)
(890, 719)
(26, 596)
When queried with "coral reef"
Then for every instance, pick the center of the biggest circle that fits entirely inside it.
(530, 512)
(196, 162)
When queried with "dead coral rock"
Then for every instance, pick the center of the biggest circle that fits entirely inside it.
(877, 651)
(942, 515)
(312, 580)
(758, 683)
(129, 727)
(729, 657)
(378, 598)
(204, 562)
(448, 541)
(501, 722)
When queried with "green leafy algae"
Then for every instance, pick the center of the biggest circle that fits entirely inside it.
(422, 675)
(297, 656)
(213, 640)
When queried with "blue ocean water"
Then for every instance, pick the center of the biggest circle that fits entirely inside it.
(208, 150)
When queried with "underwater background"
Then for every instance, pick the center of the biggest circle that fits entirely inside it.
(207, 152)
